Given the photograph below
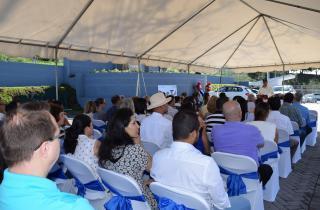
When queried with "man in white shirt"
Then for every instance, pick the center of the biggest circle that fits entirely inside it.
(183, 166)
(282, 122)
(266, 89)
(156, 128)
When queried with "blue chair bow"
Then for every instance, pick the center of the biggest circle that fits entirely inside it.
(312, 124)
(269, 155)
(93, 185)
(295, 133)
(100, 128)
(283, 144)
(57, 174)
(119, 201)
(235, 183)
(168, 204)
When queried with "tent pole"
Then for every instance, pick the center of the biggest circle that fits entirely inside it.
(283, 79)
(56, 73)
(144, 84)
(220, 80)
(138, 79)
(188, 68)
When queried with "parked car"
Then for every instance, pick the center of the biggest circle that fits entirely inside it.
(283, 89)
(310, 98)
(232, 91)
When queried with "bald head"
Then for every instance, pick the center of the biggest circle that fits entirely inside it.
(232, 111)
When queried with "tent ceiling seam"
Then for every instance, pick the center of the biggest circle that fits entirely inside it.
(240, 43)
(74, 22)
(274, 42)
(225, 38)
(251, 7)
(294, 5)
(177, 28)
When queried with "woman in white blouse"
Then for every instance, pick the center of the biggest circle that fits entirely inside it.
(268, 130)
(79, 143)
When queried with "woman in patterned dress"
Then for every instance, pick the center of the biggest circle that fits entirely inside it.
(79, 143)
(123, 152)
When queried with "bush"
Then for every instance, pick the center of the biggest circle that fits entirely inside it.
(67, 95)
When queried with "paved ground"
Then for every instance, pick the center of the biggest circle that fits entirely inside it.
(301, 190)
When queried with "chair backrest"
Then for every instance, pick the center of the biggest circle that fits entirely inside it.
(283, 136)
(83, 173)
(179, 196)
(124, 184)
(98, 123)
(314, 112)
(96, 134)
(295, 125)
(150, 147)
(238, 164)
(268, 148)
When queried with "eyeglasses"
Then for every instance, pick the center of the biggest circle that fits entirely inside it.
(50, 139)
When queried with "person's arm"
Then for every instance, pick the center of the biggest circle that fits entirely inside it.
(276, 137)
(205, 141)
(214, 183)
(96, 147)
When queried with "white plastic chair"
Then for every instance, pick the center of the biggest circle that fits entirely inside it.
(125, 185)
(296, 137)
(270, 149)
(85, 175)
(96, 134)
(99, 125)
(179, 196)
(240, 164)
(285, 157)
(311, 139)
(150, 147)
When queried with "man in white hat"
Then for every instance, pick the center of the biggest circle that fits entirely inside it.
(156, 128)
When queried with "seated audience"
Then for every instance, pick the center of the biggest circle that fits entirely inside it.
(243, 105)
(115, 100)
(122, 151)
(183, 166)
(171, 107)
(239, 138)
(2, 111)
(250, 107)
(90, 108)
(127, 103)
(30, 147)
(217, 117)
(140, 106)
(79, 143)
(177, 100)
(268, 130)
(11, 107)
(282, 121)
(304, 112)
(291, 111)
(100, 114)
(156, 128)
(204, 108)
(202, 144)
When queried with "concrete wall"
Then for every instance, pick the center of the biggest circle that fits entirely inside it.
(24, 74)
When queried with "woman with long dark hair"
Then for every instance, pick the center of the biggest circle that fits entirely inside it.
(122, 151)
(79, 143)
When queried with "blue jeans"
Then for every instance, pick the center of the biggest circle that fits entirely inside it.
(239, 203)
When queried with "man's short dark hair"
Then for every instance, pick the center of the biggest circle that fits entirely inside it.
(275, 103)
(264, 80)
(220, 102)
(184, 122)
(35, 106)
(288, 97)
(298, 96)
(22, 132)
(115, 99)
(99, 101)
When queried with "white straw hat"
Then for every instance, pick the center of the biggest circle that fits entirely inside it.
(157, 100)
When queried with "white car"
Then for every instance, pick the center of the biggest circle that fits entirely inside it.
(283, 89)
(232, 91)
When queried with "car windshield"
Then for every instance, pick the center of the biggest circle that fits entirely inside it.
(277, 88)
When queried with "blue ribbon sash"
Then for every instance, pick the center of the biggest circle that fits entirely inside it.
(119, 201)
(168, 204)
(235, 183)
(265, 157)
(93, 185)
(57, 174)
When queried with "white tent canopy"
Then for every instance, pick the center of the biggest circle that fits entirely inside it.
(202, 35)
